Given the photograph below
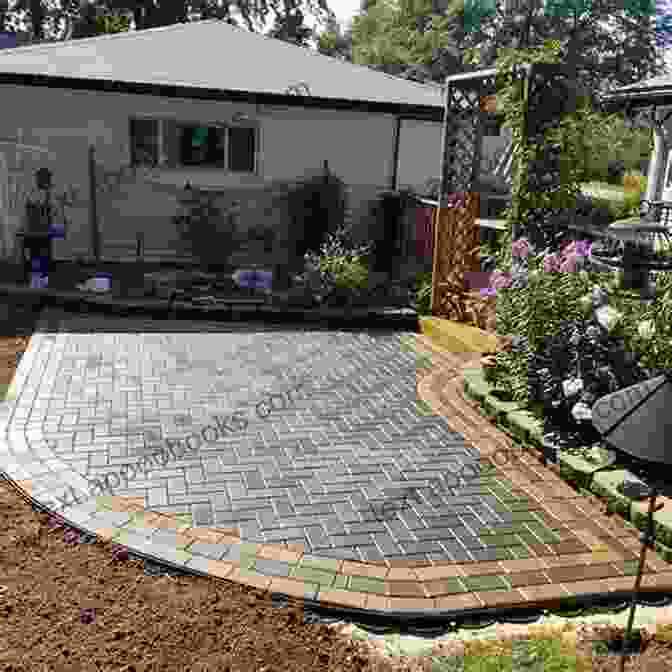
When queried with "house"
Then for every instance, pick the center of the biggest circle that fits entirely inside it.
(653, 95)
(210, 104)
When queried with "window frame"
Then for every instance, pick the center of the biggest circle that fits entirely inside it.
(181, 122)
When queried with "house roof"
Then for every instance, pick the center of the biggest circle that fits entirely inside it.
(213, 59)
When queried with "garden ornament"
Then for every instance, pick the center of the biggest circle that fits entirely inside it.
(637, 422)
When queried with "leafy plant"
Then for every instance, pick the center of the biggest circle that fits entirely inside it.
(339, 266)
(423, 294)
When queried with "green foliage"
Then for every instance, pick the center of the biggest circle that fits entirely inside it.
(610, 138)
(569, 133)
(112, 24)
(536, 312)
(422, 292)
(655, 351)
(340, 264)
(407, 37)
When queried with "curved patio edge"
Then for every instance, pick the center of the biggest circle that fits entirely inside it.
(402, 591)
(164, 539)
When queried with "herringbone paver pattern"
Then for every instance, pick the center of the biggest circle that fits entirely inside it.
(317, 472)
(513, 534)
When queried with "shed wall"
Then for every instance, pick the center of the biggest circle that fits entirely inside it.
(293, 142)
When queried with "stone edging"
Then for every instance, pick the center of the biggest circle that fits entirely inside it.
(599, 480)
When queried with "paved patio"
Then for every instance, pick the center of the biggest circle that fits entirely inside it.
(306, 498)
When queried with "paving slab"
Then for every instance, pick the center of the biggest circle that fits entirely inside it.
(300, 461)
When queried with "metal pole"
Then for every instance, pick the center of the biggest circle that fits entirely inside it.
(635, 591)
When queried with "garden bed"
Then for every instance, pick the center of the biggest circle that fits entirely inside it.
(588, 468)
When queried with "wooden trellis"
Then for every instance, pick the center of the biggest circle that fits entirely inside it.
(470, 99)
(456, 232)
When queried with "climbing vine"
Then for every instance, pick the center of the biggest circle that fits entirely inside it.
(550, 159)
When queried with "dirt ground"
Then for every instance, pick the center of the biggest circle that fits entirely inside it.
(67, 605)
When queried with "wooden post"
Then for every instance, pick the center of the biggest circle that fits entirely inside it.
(93, 210)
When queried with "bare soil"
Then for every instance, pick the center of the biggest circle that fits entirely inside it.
(68, 605)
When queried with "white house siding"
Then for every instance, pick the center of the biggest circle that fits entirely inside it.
(420, 147)
(293, 142)
(419, 153)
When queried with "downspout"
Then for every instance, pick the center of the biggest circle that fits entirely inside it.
(395, 156)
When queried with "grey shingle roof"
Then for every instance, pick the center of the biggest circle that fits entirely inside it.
(214, 55)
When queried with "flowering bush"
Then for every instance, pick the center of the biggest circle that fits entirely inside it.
(582, 362)
(575, 339)
(340, 265)
(533, 300)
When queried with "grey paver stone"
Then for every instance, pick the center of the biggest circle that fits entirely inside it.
(272, 567)
(111, 519)
(212, 551)
(199, 563)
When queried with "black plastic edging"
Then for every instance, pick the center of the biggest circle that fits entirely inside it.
(420, 623)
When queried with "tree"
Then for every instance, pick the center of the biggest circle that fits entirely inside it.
(407, 38)
(289, 25)
(335, 41)
(58, 20)
(98, 20)
(608, 42)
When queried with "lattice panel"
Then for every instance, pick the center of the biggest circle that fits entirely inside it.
(457, 253)
(464, 139)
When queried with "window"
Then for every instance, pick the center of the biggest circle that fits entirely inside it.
(177, 144)
(241, 150)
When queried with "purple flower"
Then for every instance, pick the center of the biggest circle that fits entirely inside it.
(520, 249)
(71, 537)
(584, 248)
(87, 616)
(488, 291)
(551, 263)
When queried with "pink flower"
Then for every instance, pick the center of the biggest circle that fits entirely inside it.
(551, 263)
(569, 264)
(569, 249)
(520, 248)
(500, 280)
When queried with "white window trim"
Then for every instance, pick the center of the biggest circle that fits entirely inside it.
(162, 155)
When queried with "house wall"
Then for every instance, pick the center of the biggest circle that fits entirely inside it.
(419, 153)
(420, 147)
(294, 142)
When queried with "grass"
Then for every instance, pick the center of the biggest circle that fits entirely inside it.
(603, 190)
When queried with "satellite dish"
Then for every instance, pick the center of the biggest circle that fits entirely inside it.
(638, 419)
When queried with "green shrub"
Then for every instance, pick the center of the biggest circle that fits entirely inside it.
(340, 264)
(422, 292)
